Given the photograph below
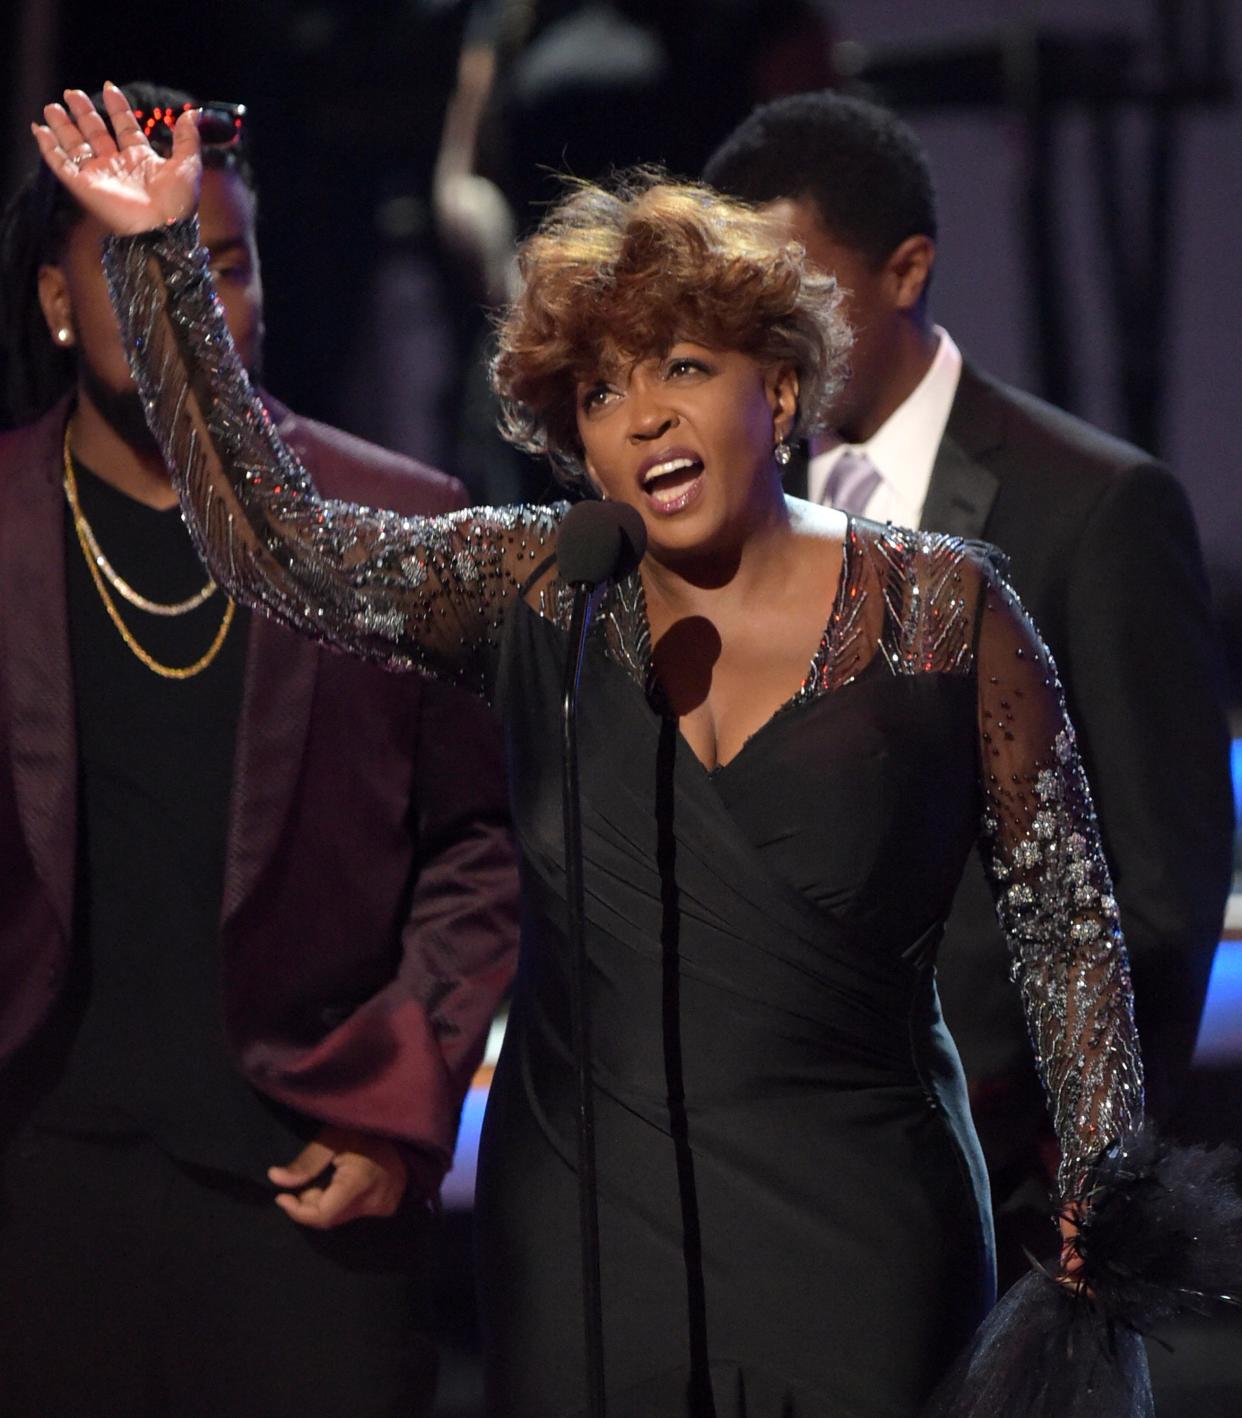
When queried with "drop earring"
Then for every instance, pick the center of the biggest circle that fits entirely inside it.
(783, 453)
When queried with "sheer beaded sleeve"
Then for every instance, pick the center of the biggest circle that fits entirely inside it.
(1053, 892)
(421, 592)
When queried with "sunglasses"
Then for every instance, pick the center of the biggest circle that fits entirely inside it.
(220, 125)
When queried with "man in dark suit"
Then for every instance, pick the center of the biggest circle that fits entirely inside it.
(258, 908)
(1103, 551)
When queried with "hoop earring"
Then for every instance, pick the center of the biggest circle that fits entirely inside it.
(783, 453)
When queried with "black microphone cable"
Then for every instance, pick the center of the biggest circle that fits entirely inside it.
(597, 542)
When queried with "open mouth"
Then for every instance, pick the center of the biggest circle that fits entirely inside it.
(673, 483)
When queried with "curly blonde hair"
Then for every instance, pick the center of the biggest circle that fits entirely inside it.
(635, 268)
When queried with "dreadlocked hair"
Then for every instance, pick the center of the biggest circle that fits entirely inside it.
(35, 371)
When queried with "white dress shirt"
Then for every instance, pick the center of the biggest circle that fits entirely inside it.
(903, 449)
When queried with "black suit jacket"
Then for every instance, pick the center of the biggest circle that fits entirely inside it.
(369, 916)
(1103, 551)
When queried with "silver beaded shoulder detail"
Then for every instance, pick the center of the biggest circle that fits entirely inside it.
(902, 595)
(928, 621)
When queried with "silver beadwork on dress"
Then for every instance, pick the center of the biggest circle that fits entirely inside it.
(416, 592)
(432, 593)
(1055, 898)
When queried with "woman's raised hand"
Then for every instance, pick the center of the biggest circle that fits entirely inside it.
(123, 182)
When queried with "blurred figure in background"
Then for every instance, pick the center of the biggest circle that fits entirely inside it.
(553, 87)
(1102, 549)
(259, 901)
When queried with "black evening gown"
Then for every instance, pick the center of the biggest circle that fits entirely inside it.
(793, 1208)
(794, 1220)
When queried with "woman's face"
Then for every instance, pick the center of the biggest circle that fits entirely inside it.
(687, 438)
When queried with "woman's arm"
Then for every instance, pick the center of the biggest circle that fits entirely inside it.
(422, 591)
(409, 591)
(1053, 892)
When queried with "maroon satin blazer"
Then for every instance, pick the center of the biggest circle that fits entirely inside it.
(369, 918)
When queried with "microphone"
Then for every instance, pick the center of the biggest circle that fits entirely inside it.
(599, 541)
(596, 542)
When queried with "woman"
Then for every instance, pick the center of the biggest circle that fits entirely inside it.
(793, 728)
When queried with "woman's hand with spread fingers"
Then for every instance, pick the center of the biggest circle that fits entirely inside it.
(121, 180)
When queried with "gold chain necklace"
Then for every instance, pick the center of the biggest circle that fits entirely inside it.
(86, 540)
(136, 598)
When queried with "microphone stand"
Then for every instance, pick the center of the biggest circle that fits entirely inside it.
(586, 598)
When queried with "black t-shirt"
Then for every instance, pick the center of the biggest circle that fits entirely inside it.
(140, 1044)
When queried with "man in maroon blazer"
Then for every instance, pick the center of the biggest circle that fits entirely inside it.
(258, 904)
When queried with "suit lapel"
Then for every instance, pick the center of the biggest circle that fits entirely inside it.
(35, 634)
(963, 488)
(271, 739)
(960, 494)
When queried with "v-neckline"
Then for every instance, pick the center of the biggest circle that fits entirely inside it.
(640, 656)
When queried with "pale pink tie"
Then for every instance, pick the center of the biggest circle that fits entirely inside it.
(851, 482)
